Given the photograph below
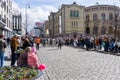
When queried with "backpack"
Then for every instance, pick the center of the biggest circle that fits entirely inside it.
(2, 46)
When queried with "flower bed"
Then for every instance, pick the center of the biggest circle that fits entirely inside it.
(19, 73)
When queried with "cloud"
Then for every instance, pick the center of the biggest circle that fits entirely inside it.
(40, 13)
(35, 14)
(15, 6)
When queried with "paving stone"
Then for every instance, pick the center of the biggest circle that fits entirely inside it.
(76, 64)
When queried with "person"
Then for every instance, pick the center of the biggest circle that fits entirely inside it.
(32, 58)
(19, 42)
(87, 43)
(26, 43)
(8, 42)
(14, 46)
(3, 45)
(22, 60)
(31, 41)
(43, 42)
(59, 44)
(37, 41)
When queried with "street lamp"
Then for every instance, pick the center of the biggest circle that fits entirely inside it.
(27, 6)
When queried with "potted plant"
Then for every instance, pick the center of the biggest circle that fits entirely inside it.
(19, 73)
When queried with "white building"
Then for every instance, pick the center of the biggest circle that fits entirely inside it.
(17, 22)
(23, 29)
(35, 32)
(6, 18)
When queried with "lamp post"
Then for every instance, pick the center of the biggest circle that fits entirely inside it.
(27, 6)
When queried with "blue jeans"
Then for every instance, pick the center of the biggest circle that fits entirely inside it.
(1, 59)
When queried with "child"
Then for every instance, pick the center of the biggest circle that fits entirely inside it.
(32, 58)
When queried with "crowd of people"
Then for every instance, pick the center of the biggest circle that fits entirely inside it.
(52, 42)
(29, 45)
(26, 43)
(103, 43)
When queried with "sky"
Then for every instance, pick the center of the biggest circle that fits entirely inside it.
(40, 9)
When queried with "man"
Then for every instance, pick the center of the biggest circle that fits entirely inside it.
(14, 46)
(3, 45)
(37, 41)
(59, 44)
(87, 43)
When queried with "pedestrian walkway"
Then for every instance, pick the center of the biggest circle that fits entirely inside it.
(79, 64)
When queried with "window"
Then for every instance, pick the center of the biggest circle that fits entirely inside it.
(74, 24)
(95, 30)
(87, 30)
(87, 18)
(111, 30)
(71, 13)
(103, 29)
(74, 13)
(7, 9)
(94, 17)
(110, 16)
(103, 17)
(108, 8)
(77, 24)
(77, 14)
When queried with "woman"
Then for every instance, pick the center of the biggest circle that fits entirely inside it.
(26, 43)
(22, 60)
(3, 45)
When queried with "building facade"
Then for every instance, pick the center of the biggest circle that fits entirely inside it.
(51, 24)
(101, 19)
(46, 28)
(38, 30)
(23, 28)
(68, 21)
(6, 18)
(74, 20)
(17, 23)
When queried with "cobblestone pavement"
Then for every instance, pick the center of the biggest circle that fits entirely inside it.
(78, 64)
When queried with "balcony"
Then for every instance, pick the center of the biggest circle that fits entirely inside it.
(2, 22)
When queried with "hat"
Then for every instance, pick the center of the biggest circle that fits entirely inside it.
(15, 34)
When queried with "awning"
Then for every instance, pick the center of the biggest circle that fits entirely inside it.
(2, 24)
(4, 27)
(8, 29)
